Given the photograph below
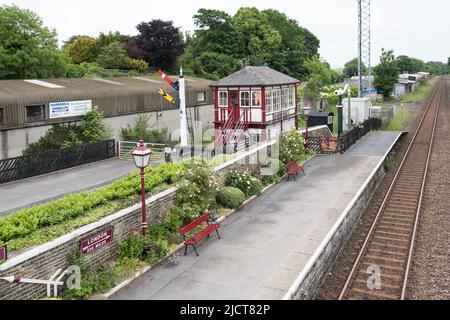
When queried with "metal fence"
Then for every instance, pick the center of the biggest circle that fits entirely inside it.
(348, 139)
(125, 149)
(13, 169)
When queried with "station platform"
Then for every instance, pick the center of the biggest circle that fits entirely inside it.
(266, 245)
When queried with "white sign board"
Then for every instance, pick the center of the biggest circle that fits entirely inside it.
(69, 108)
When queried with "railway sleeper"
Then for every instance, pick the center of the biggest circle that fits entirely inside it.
(366, 294)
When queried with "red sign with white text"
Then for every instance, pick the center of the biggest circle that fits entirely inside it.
(99, 240)
(3, 254)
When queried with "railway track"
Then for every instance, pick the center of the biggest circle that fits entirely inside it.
(381, 269)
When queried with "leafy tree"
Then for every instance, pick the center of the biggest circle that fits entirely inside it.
(436, 67)
(161, 41)
(114, 57)
(92, 127)
(410, 65)
(82, 49)
(216, 33)
(320, 76)
(105, 40)
(266, 37)
(72, 39)
(297, 46)
(256, 34)
(133, 50)
(386, 73)
(27, 48)
(351, 68)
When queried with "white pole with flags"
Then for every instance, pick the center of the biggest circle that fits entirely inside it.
(183, 114)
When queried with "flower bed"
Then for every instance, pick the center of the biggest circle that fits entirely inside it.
(45, 222)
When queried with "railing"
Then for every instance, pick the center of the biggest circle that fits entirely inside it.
(125, 149)
(17, 168)
(347, 140)
(351, 137)
(232, 127)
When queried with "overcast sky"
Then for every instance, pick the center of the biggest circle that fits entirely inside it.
(416, 28)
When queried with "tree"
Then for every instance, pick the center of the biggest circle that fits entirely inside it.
(82, 49)
(27, 48)
(436, 67)
(256, 34)
(133, 50)
(297, 46)
(114, 57)
(386, 73)
(161, 41)
(216, 33)
(351, 68)
(320, 76)
(105, 40)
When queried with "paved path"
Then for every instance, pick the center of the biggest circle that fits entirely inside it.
(28, 192)
(265, 245)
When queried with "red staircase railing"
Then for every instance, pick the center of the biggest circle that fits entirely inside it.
(231, 127)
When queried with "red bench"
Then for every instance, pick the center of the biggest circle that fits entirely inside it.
(293, 168)
(199, 236)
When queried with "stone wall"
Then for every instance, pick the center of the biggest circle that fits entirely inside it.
(326, 255)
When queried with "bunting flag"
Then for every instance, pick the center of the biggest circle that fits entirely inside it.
(174, 85)
(167, 96)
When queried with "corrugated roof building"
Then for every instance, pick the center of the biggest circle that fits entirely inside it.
(25, 103)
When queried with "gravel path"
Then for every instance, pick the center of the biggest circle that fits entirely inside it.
(430, 274)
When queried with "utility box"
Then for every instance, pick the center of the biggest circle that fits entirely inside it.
(321, 119)
(360, 110)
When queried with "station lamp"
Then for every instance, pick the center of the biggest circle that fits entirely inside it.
(141, 155)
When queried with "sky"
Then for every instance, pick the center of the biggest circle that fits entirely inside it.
(416, 28)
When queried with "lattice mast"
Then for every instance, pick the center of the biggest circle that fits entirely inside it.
(364, 44)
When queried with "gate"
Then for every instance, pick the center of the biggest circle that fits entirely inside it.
(125, 149)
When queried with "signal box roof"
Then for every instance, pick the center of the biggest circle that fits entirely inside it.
(256, 76)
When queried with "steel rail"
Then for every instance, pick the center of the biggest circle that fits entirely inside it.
(419, 206)
(388, 194)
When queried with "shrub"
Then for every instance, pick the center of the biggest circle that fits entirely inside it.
(268, 180)
(155, 250)
(141, 129)
(230, 197)
(291, 146)
(243, 180)
(26, 221)
(62, 136)
(138, 65)
(196, 194)
(131, 247)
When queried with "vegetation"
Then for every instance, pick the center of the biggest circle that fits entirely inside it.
(27, 48)
(243, 180)
(386, 74)
(320, 76)
(291, 147)
(351, 68)
(60, 136)
(161, 42)
(230, 197)
(23, 223)
(398, 122)
(141, 129)
(221, 42)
